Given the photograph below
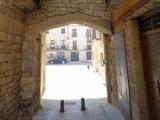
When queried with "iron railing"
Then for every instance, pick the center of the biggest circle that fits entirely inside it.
(149, 23)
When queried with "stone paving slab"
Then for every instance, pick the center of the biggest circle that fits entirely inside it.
(112, 112)
(96, 109)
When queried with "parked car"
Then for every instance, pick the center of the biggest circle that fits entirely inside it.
(58, 60)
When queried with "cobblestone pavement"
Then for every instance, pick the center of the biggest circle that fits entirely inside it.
(71, 83)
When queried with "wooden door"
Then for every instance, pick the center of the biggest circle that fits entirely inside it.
(89, 55)
(74, 56)
(122, 76)
(151, 58)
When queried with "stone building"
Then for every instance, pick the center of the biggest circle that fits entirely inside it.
(131, 32)
(72, 41)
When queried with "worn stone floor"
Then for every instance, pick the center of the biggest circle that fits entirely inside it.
(71, 83)
(96, 109)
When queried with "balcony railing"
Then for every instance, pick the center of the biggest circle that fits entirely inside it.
(58, 47)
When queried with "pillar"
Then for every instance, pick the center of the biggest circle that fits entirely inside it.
(135, 72)
(111, 80)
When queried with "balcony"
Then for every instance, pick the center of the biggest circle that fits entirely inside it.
(89, 41)
(58, 47)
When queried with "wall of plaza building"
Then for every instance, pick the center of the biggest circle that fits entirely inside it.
(99, 55)
(61, 41)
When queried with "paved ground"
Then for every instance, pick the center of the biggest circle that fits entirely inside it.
(71, 83)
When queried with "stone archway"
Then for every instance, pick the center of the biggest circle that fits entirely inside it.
(35, 32)
(53, 13)
(102, 25)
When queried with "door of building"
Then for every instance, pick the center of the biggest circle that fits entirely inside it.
(151, 58)
(89, 55)
(150, 43)
(74, 56)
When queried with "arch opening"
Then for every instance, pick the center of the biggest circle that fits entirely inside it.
(79, 75)
(48, 23)
(88, 43)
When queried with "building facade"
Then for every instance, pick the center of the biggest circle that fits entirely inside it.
(98, 54)
(71, 41)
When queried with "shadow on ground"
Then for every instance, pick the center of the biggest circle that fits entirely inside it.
(96, 109)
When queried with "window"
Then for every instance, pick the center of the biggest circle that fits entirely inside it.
(49, 55)
(88, 34)
(74, 32)
(74, 45)
(93, 34)
(101, 56)
(63, 30)
(89, 47)
(63, 44)
(92, 57)
(52, 44)
(89, 55)
(60, 54)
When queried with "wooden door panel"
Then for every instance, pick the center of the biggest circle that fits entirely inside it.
(122, 77)
(151, 58)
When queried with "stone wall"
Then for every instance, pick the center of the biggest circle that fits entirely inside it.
(10, 74)
(43, 62)
(136, 82)
(135, 72)
(30, 80)
(123, 20)
(12, 30)
(96, 8)
(111, 72)
(57, 13)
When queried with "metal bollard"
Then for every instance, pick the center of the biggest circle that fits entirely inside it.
(83, 107)
(62, 106)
